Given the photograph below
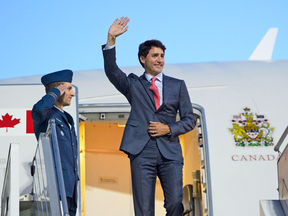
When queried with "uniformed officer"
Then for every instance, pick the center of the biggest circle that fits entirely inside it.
(59, 92)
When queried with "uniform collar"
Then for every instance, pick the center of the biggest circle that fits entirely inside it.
(59, 109)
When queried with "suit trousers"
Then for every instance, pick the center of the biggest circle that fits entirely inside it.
(144, 169)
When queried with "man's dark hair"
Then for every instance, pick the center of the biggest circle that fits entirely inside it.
(52, 85)
(146, 46)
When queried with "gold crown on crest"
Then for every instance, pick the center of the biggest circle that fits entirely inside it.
(246, 109)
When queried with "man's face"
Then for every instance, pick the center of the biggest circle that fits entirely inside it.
(65, 99)
(154, 61)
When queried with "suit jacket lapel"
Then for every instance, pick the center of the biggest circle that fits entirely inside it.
(70, 119)
(146, 84)
(166, 89)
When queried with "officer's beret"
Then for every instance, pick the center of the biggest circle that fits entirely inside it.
(58, 76)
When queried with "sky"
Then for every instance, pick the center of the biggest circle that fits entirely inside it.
(39, 37)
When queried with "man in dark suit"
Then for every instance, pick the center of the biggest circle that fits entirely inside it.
(151, 134)
(59, 93)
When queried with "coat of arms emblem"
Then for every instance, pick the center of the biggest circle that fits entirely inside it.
(250, 129)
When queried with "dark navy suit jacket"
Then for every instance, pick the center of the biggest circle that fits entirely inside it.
(136, 90)
(42, 111)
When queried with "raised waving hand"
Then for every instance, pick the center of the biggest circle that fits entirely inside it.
(118, 27)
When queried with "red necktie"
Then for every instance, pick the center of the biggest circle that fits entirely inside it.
(155, 91)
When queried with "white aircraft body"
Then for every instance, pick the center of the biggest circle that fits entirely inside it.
(241, 111)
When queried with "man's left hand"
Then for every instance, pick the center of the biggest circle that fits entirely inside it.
(158, 129)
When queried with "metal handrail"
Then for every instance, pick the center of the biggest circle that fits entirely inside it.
(58, 166)
(39, 167)
(10, 191)
(285, 133)
(282, 173)
(207, 159)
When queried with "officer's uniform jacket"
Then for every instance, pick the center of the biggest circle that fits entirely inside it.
(42, 111)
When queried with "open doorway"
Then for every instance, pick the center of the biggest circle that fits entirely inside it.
(105, 171)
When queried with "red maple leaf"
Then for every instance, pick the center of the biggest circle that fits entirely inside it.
(8, 122)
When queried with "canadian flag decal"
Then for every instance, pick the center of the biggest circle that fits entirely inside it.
(7, 122)
(15, 122)
(29, 122)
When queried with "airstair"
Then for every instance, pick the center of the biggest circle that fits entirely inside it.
(48, 184)
(279, 207)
